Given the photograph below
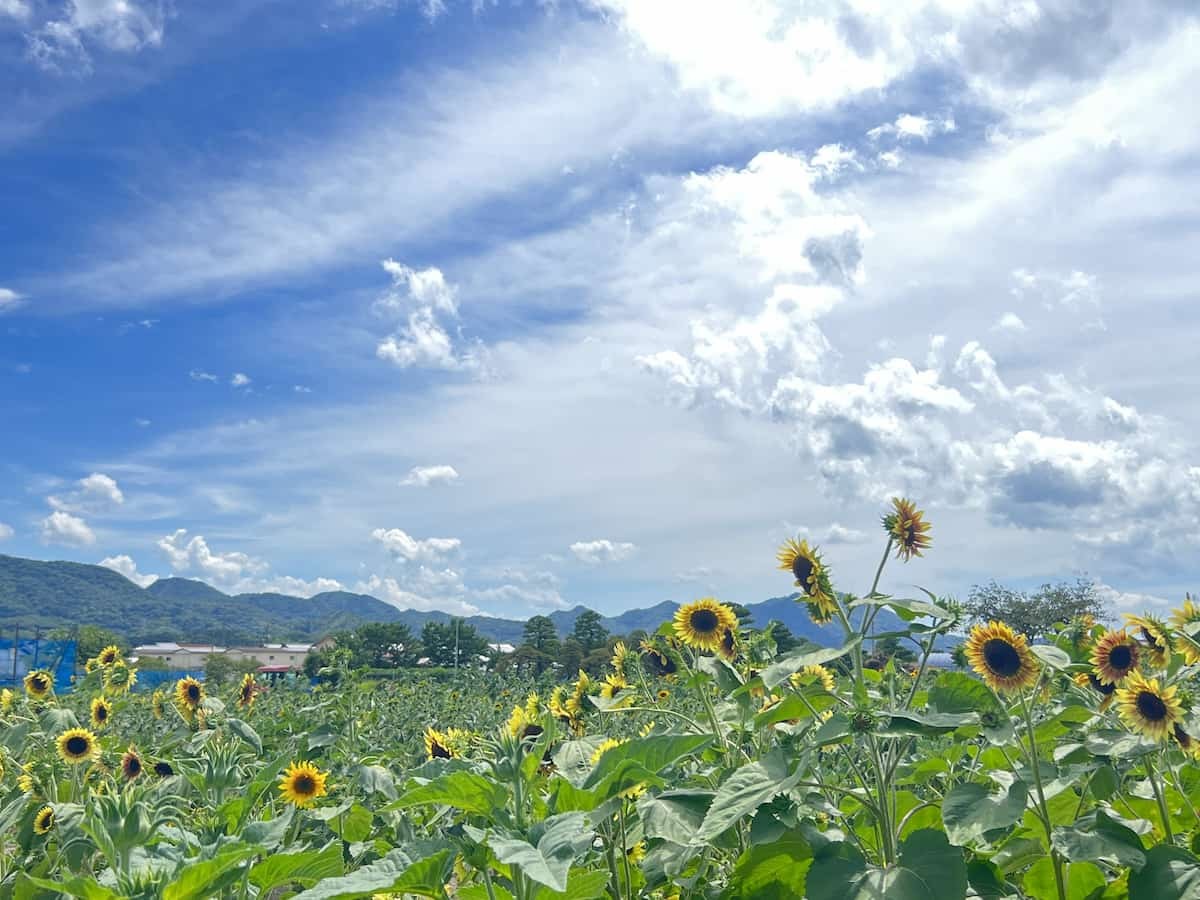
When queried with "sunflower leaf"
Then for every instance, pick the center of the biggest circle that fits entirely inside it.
(808, 655)
(1051, 656)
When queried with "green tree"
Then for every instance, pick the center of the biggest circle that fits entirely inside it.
(89, 640)
(889, 648)
(570, 657)
(743, 614)
(589, 631)
(384, 645)
(1035, 615)
(220, 668)
(782, 636)
(539, 646)
(452, 642)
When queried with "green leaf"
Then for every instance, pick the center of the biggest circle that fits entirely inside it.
(1083, 880)
(548, 862)
(674, 815)
(775, 871)
(745, 791)
(1097, 837)
(652, 754)
(269, 834)
(377, 780)
(354, 825)
(1051, 655)
(902, 605)
(1110, 742)
(246, 733)
(396, 873)
(582, 884)
(808, 655)
(305, 868)
(1170, 873)
(463, 790)
(83, 888)
(928, 869)
(928, 724)
(205, 878)
(958, 692)
(793, 706)
(969, 810)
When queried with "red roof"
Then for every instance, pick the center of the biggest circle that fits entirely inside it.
(274, 668)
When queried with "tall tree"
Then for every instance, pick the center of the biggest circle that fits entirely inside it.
(452, 642)
(782, 636)
(541, 635)
(589, 630)
(384, 645)
(1035, 615)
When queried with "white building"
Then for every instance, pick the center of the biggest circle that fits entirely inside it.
(193, 656)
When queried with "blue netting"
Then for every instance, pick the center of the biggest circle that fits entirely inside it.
(154, 678)
(18, 658)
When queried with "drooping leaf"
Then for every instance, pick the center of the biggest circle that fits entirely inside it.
(745, 791)
(1097, 837)
(246, 733)
(774, 871)
(396, 873)
(549, 861)
(463, 790)
(808, 655)
(201, 879)
(1170, 873)
(305, 868)
(969, 810)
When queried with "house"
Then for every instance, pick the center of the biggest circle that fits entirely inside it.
(193, 656)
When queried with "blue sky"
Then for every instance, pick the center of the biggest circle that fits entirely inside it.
(508, 306)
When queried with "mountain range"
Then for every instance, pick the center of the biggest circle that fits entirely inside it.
(37, 594)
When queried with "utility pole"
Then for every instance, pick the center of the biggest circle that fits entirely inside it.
(456, 646)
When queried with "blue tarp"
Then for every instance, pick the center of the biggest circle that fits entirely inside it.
(17, 658)
(154, 678)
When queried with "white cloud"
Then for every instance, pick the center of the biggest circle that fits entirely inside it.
(1010, 321)
(239, 379)
(840, 534)
(1130, 601)
(423, 476)
(297, 587)
(201, 375)
(18, 9)
(6, 531)
(95, 493)
(301, 389)
(127, 567)
(9, 299)
(909, 126)
(142, 423)
(423, 301)
(63, 528)
(404, 546)
(445, 594)
(225, 570)
(602, 551)
(122, 26)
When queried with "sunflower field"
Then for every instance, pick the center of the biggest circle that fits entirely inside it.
(703, 764)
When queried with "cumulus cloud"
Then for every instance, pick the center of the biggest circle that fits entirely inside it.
(95, 493)
(1010, 321)
(66, 44)
(908, 127)
(240, 379)
(423, 476)
(404, 546)
(127, 567)
(425, 303)
(9, 299)
(6, 531)
(1130, 601)
(434, 591)
(524, 590)
(233, 571)
(18, 9)
(602, 551)
(63, 528)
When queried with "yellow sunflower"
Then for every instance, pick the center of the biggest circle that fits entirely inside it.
(1107, 691)
(158, 703)
(612, 685)
(728, 646)
(91, 665)
(109, 655)
(131, 764)
(302, 783)
(6, 701)
(1147, 708)
(1001, 657)
(522, 725)
(907, 527)
(1156, 637)
(1188, 614)
(44, 820)
(620, 657)
(437, 746)
(119, 678)
(1115, 655)
(657, 661)
(247, 691)
(38, 684)
(189, 694)
(636, 853)
(812, 577)
(702, 623)
(664, 694)
(76, 745)
(603, 747)
(818, 672)
(101, 712)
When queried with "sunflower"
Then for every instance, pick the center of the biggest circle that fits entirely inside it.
(1188, 614)
(822, 675)
(38, 684)
(620, 657)
(612, 686)
(91, 665)
(702, 623)
(1154, 632)
(119, 678)
(76, 745)
(131, 764)
(603, 747)
(1115, 655)
(1185, 741)
(636, 853)
(907, 527)
(1105, 690)
(728, 646)
(6, 701)
(521, 725)
(812, 577)
(657, 661)
(664, 694)
(1147, 708)
(189, 693)
(163, 769)
(1001, 657)
(109, 655)
(437, 746)
(44, 820)
(302, 783)
(247, 691)
(158, 703)
(101, 712)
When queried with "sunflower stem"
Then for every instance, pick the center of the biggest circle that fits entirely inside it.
(1162, 801)
(1043, 809)
(708, 705)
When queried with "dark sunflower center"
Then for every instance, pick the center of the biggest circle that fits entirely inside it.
(1099, 685)
(101, 713)
(531, 731)
(133, 766)
(1001, 657)
(38, 682)
(802, 568)
(1120, 657)
(704, 621)
(193, 693)
(1151, 707)
(1149, 638)
(304, 784)
(77, 746)
(437, 751)
(727, 641)
(163, 769)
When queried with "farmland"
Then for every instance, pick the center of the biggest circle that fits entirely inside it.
(700, 763)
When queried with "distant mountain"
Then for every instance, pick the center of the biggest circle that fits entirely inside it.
(51, 594)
